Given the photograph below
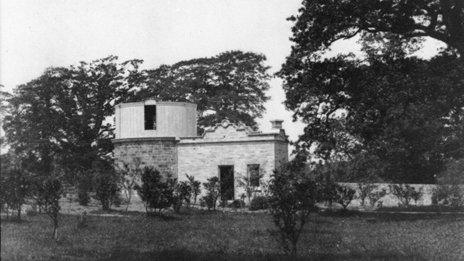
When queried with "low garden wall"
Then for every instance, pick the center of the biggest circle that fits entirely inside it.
(390, 200)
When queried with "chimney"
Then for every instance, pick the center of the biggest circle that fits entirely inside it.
(276, 124)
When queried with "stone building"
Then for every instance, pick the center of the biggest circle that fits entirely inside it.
(164, 135)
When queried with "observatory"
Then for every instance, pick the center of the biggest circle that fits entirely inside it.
(164, 135)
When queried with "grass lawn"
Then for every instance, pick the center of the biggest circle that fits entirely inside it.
(203, 235)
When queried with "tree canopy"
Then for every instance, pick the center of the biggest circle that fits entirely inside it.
(62, 115)
(403, 111)
(229, 85)
(319, 23)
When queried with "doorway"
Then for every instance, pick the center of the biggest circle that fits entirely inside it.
(226, 178)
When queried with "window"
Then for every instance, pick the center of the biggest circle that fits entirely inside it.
(150, 117)
(253, 174)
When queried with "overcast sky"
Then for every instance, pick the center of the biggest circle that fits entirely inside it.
(36, 34)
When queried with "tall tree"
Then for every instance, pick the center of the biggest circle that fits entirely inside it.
(405, 111)
(231, 84)
(63, 114)
(319, 23)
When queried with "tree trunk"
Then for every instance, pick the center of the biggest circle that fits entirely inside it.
(55, 232)
(19, 213)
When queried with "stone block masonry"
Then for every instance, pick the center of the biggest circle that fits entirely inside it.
(160, 153)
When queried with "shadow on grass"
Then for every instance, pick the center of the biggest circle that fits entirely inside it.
(13, 220)
(374, 217)
(219, 256)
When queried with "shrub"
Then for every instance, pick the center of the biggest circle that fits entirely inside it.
(292, 197)
(237, 203)
(327, 188)
(17, 187)
(405, 193)
(182, 192)
(49, 194)
(106, 184)
(448, 195)
(84, 186)
(194, 187)
(364, 190)
(375, 196)
(259, 202)
(344, 195)
(155, 192)
(130, 176)
(212, 188)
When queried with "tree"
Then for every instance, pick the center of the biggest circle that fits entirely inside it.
(62, 114)
(194, 187)
(292, 198)
(49, 193)
(17, 188)
(314, 31)
(405, 111)
(229, 85)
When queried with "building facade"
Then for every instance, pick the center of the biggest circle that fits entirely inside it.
(163, 135)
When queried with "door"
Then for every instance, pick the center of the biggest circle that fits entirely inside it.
(226, 178)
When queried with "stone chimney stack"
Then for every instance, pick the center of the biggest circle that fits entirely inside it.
(277, 124)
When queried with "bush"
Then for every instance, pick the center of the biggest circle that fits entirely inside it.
(375, 196)
(106, 184)
(405, 193)
(156, 192)
(448, 195)
(182, 192)
(49, 194)
(259, 202)
(344, 195)
(84, 186)
(238, 203)
(195, 188)
(212, 192)
(292, 198)
(17, 187)
(364, 190)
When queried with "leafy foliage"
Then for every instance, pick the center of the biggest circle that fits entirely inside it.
(259, 202)
(375, 196)
(405, 193)
(212, 188)
(292, 198)
(449, 195)
(365, 189)
(130, 177)
(404, 111)
(49, 193)
(182, 192)
(195, 187)
(344, 195)
(229, 85)
(16, 187)
(61, 115)
(156, 191)
(106, 183)
(313, 31)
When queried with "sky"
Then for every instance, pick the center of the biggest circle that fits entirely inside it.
(36, 34)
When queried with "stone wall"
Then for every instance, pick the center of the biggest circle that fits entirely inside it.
(202, 160)
(390, 200)
(160, 153)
